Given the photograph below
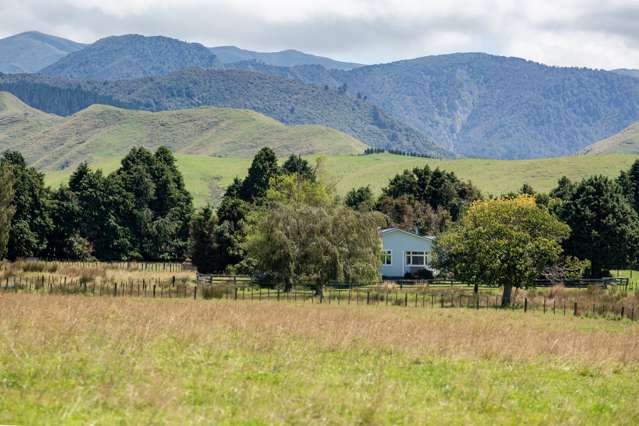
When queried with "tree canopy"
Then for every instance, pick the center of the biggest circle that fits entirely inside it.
(605, 228)
(504, 242)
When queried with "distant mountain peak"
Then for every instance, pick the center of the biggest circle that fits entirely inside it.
(131, 56)
(31, 51)
(283, 58)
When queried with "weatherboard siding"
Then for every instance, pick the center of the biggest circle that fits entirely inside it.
(399, 242)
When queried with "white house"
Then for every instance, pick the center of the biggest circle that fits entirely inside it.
(404, 252)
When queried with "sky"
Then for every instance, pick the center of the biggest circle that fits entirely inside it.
(586, 33)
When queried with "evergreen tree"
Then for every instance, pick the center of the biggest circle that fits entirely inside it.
(31, 223)
(360, 199)
(263, 168)
(204, 250)
(629, 182)
(605, 228)
(6, 208)
(296, 165)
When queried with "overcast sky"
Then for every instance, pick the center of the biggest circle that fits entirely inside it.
(592, 33)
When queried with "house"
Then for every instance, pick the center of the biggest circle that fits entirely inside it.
(404, 252)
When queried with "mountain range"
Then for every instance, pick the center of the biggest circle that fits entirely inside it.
(288, 101)
(469, 104)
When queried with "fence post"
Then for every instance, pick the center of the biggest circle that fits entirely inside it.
(575, 309)
(405, 299)
(544, 304)
(115, 289)
(236, 293)
(368, 297)
(154, 291)
(526, 304)
(195, 293)
(622, 311)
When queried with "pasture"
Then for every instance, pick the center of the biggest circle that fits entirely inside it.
(207, 177)
(79, 360)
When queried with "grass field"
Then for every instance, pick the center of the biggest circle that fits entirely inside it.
(207, 176)
(79, 360)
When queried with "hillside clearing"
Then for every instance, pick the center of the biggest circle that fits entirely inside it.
(206, 177)
(131, 361)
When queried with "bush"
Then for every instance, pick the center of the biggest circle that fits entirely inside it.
(422, 274)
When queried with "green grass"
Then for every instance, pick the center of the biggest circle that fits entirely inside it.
(100, 133)
(206, 175)
(103, 361)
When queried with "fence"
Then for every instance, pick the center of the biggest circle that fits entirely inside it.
(126, 266)
(353, 296)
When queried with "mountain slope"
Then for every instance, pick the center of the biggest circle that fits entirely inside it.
(130, 57)
(285, 58)
(100, 133)
(31, 51)
(489, 106)
(285, 100)
(627, 72)
(624, 142)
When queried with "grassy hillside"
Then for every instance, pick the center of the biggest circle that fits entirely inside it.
(206, 177)
(288, 101)
(624, 142)
(99, 133)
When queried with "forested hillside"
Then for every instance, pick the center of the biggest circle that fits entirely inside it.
(489, 106)
(101, 133)
(285, 100)
(285, 58)
(32, 51)
(129, 57)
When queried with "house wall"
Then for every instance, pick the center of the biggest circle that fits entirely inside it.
(399, 243)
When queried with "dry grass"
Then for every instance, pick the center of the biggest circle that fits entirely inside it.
(81, 360)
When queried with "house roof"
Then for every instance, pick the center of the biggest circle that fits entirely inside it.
(423, 237)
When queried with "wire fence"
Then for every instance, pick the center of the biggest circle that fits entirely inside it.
(233, 289)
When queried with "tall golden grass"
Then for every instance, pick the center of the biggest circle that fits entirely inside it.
(28, 321)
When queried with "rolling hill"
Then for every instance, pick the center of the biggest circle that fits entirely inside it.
(31, 51)
(100, 133)
(284, 58)
(624, 142)
(207, 177)
(288, 101)
(488, 106)
(130, 57)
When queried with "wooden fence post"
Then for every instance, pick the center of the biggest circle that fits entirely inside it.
(575, 309)
(525, 304)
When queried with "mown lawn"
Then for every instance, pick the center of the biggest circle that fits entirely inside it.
(82, 360)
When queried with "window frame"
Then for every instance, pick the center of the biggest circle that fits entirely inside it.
(409, 258)
(387, 255)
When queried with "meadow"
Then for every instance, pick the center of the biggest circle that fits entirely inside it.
(79, 360)
(207, 177)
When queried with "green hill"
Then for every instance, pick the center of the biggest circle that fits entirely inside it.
(288, 101)
(100, 133)
(207, 177)
(624, 142)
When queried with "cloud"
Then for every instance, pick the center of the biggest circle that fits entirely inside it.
(562, 32)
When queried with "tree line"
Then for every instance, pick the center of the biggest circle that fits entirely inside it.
(284, 225)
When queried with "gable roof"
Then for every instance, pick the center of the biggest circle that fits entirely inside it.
(391, 230)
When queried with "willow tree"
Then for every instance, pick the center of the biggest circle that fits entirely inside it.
(504, 243)
(302, 235)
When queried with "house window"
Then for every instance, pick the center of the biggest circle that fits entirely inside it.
(387, 257)
(415, 258)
